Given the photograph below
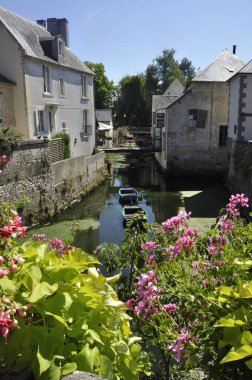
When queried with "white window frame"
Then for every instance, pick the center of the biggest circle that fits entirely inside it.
(62, 87)
(84, 86)
(47, 80)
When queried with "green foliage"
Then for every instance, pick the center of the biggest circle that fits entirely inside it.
(104, 89)
(66, 142)
(208, 290)
(75, 320)
(108, 255)
(131, 103)
(9, 140)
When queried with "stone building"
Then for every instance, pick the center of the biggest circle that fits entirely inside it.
(44, 87)
(194, 129)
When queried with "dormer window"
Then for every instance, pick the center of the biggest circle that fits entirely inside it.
(61, 47)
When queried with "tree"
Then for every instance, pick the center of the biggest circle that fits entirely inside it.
(131, 102)
(187, 69)
(104, 89)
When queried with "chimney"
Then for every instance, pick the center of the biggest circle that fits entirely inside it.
(59, 27)
(42, 23)
(234, 49)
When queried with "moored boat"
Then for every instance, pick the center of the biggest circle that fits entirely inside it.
(136, 212)
(128, 194)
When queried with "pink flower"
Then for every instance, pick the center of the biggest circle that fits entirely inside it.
(56, 244)
(178, 346)
(225, 224)
(235, 201)
(216, 244)
(176, 221)
(170, 308)
(38, 237)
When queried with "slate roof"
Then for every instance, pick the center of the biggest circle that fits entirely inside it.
(27, 34)
(162, 101)
(221, 69)
(6, 81)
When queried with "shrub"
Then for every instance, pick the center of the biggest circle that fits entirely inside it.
(9, 140)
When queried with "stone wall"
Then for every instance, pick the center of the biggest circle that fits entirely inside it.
(240, 168)
(49, 187)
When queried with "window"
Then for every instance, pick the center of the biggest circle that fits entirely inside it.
(197, 118)
(84, 86)
(50, 121)
(47, 79)
(41, 124)
(61, 47)
(86, 123)
(223, 135)
(235, 129)
(62, 87)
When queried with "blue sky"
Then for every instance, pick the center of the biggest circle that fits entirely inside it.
(126, 35)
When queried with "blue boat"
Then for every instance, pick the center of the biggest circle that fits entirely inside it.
(128, 194)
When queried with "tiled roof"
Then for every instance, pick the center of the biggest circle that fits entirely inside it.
(221, 69)
(27, 34)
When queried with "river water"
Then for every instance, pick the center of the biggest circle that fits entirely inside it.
(98, 217)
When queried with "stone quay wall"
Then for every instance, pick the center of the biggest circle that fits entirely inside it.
(50, 187)
(240, 168)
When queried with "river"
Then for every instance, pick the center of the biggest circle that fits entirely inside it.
(98, 217)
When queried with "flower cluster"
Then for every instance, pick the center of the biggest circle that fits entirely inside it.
(11, 265)
(14, 227)
(178, 347)
(235, 201)
(216, 244)
(185, 242)
(8, 311)
(146, 303)
(38, 237)
(59, 247)
(176, 222)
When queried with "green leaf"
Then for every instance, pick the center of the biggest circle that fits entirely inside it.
(42, 290)
(228, 322)
(87, 358)
(121, 347)
(106, 367)
(68, 368)
(246, 337)
(249, 364)
(241, 353)
(58, 318)
(44, 364)
(8, 286)
(246, 291)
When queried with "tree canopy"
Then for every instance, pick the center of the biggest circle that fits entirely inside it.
(104, 89)
(131, 100)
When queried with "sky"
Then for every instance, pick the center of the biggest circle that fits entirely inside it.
(127, 35)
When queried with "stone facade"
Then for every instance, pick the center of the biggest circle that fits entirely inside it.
(240, 168)
(49, 187)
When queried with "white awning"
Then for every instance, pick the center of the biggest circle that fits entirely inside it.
(104, 127)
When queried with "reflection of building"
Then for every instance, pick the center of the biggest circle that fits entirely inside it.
(105, 128)
(45, 88)
(195, 123)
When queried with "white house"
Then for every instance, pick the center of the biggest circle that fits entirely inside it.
(193, 131)
(240, 104)
(51, 89)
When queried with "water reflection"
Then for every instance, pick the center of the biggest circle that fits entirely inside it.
(98, 218)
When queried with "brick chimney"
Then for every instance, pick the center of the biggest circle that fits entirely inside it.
(59, 27)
